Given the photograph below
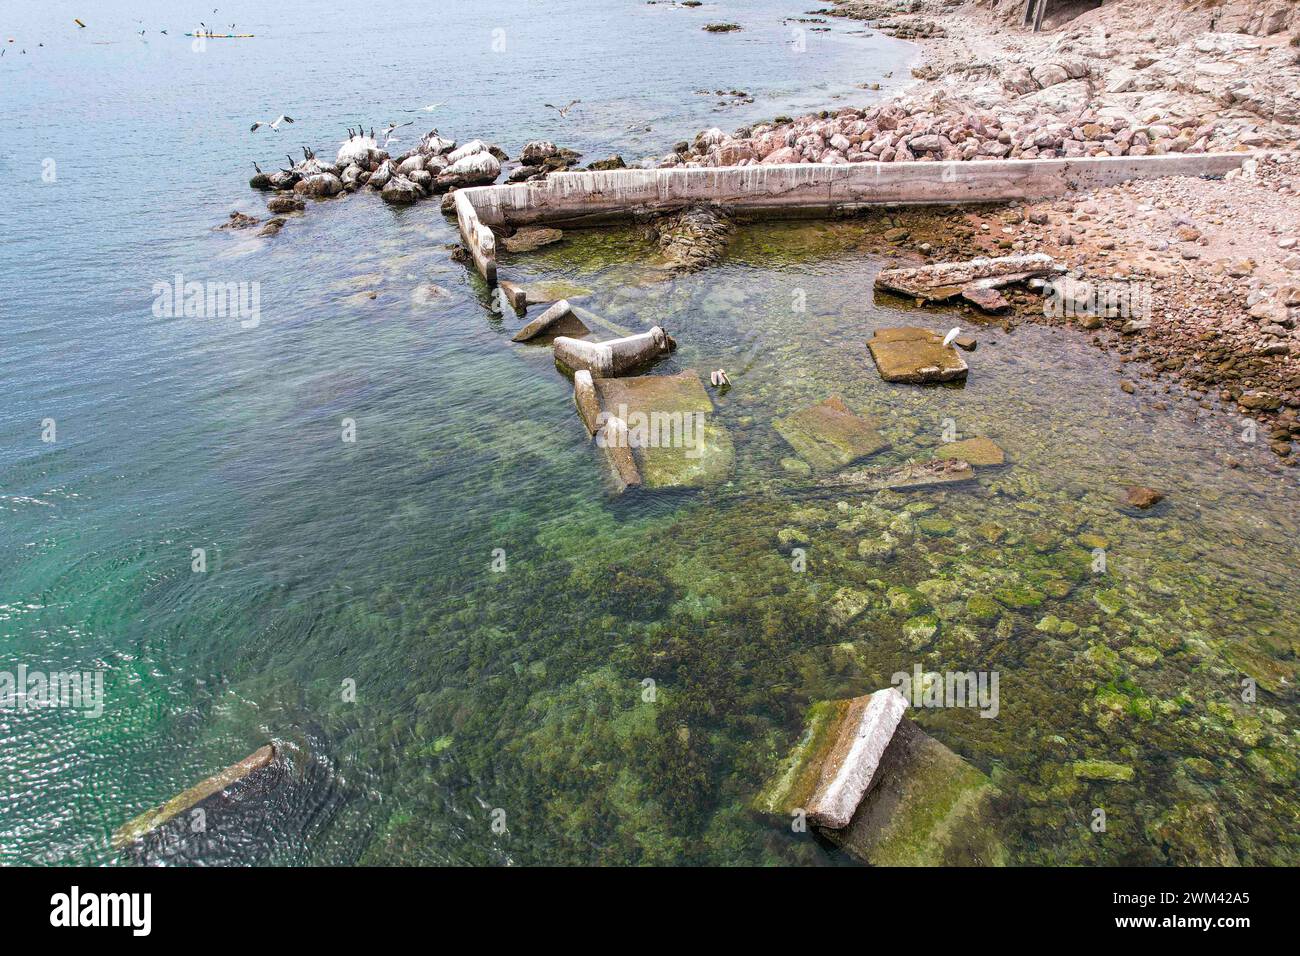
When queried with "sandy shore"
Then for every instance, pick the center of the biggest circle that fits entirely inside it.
(1210, 268)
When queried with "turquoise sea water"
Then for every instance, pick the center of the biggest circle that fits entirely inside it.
(334, 565)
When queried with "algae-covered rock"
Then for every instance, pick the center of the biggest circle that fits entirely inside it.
(1019, 598)
(830, 435)
(982, 452)
(1193, 834)
(1103, 770)
(982, 608)
(928, 807)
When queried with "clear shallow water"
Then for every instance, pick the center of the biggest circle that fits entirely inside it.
(370, 561)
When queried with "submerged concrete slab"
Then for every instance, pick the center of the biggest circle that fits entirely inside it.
(928, 807)
(915, 356)
(559, 319)
(981, 451)
(673, 440)
(915, 475)
(830, 435)
(146, 823)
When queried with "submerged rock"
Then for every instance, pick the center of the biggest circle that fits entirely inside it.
(1140, 496)
(694, 238)
(830, 435)
(978, 451)
(915, 356)
(920, 475)
(532, 237)
(280, 204)
(239, 220)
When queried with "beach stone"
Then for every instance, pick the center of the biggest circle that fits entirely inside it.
(532, 237)
(833, 764)
(978, 451)
(400, 190)
(830, 435)
(537, 152)
(915, 356)
(928, 807)
(319, 186)
(282, 204)
(675, 442)
(985, 299)
(475, 169)
(1140, 496)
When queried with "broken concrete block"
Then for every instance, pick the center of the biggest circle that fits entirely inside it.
(532, 237)
(830, 435)
(918, 475)
(146, 823)
(983, 452)
(539, 293)
(946, 280)
(667, 423)
(584, 396)
(915, 356)
(559, 319)
(607, 359)
(612, 437)
(514, 294)
(928, 807)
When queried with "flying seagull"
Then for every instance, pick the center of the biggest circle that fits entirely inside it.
(563, 110)
(951, 337)
(426, 109)
(274, 124)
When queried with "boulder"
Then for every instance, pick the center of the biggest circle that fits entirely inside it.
(401, 191)
(319, 186)
(281, 204)
(1140, 496)
(915, 356)
(537, 152)
(830, 435)
(475, 169)
(469, 149)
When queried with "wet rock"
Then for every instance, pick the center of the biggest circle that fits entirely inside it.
(915, 356)
(319, 186)
(1102, 770)
(280, 204)
(537, 152)
(239, 220)
(985, 299)
(1140, 496)
(614, 162)
(830, 435)
(978, 451)
(380, 177)
(261, 181)
(694, 238)
(559, 319)
(906, 477)
(532, 237)
(272, 227)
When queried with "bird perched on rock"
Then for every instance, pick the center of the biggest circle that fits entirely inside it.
(951, 337)
(274, 124)
(718, 378)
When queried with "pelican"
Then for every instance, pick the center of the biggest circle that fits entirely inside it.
(951, 337)
(563, 110)
(719, 378)
(274, 124)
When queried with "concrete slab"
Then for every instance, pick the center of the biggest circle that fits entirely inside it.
(915, 356)
(146, 823)
(559, 319)
(916, 475)
(928, 807)
(830, 435)
(668, 427)
(983, 452)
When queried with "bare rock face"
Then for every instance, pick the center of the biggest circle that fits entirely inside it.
(694, 238)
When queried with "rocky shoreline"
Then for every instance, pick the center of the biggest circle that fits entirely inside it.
(1215, 265)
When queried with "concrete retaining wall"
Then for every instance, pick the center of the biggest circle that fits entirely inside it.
(798, 189)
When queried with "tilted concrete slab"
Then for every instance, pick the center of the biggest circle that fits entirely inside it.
(795, 190)
(146, 823)
(915, 356)
(830, 435)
